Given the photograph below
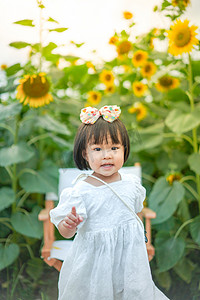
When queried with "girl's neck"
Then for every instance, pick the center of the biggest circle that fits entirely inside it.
(108, 179)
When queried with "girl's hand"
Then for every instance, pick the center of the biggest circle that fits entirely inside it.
(72, 220)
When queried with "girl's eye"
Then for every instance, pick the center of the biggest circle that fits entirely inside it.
(114, 148)
(97, 149)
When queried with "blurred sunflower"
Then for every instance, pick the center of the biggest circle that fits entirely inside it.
(181, 37)
(139, 58)
(94, 97)
(148, 69)
(166, 83)
(186, 2)
(34, 90)
(124, 47)
(113, 40)
(173, 177)
(127, 15)
(90, 65)
(4, 67)
(139, 109)
(151, 43)
(107, 77)
(139, 88)
(110, 89)
(180, 3)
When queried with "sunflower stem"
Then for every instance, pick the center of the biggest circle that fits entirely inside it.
(40, 34)
(14, 171)
(194, 130)
(182, 226)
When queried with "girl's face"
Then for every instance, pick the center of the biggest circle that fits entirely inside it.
(105, 159)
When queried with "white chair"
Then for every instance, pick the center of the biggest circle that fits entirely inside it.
(53, 252)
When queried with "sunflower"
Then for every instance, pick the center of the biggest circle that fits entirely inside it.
(186, 2)
(4, 67)
(90, 65)
(148, 69)
(139, 88)
(180, 3)
(127, 15)
(166, 83)
(140, 111)
(175, 2)
(113, 40)
(34, 90)
(124, 47)
(173, 177)
(110, 89)
(181, 37)
(151, 43)
(139, 58)
(107, 77)
(94, 97)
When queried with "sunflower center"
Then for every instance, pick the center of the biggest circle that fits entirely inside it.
(166, 81)
(139, 88)
(124, 47)
(147, 68)
(108, 77)
(36, 87)
(138, 57)
(183, 37)
(95, 96)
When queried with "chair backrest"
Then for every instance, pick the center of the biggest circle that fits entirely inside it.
(68, 175)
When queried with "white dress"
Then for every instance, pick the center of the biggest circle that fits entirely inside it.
(108, 258)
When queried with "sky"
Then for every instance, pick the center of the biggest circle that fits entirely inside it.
(90, 21)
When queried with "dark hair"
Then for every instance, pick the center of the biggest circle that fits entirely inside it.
(97, 133)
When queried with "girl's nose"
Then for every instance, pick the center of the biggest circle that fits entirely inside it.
(107, 154)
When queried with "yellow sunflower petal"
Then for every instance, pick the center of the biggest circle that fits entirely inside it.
(182, 37)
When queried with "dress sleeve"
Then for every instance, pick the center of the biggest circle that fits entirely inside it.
(68, 199)
(139, 193)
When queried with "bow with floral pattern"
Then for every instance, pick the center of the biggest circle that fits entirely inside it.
(90, 115)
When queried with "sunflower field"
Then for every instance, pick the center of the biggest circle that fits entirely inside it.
(159, 96)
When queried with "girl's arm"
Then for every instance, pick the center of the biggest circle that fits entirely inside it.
(67, 227)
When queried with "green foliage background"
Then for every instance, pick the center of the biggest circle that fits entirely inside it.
(36, 142)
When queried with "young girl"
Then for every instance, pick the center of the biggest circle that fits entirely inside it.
(108, 257)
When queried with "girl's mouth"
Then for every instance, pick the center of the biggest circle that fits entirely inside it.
(107, 165)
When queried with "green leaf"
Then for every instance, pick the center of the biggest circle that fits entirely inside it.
(147, 138)
(28, 224)
(15, 154)
(194, 162)
(164, 279)
(184, 269)
(61, 29)
(164, 199)
(77, 45)
(168, 250)
(8, 254)
(34, 268)
(19, 45)
(47, 49)
(42, 181)
(180, 122)
(195, 230)
(52, 20)
(176, 157)
(7, 111)
(12, 70)
(47, 52)
(48, 123)
(7, 197)
(25, 22)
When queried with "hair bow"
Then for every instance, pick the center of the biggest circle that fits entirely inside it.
(90, 115)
